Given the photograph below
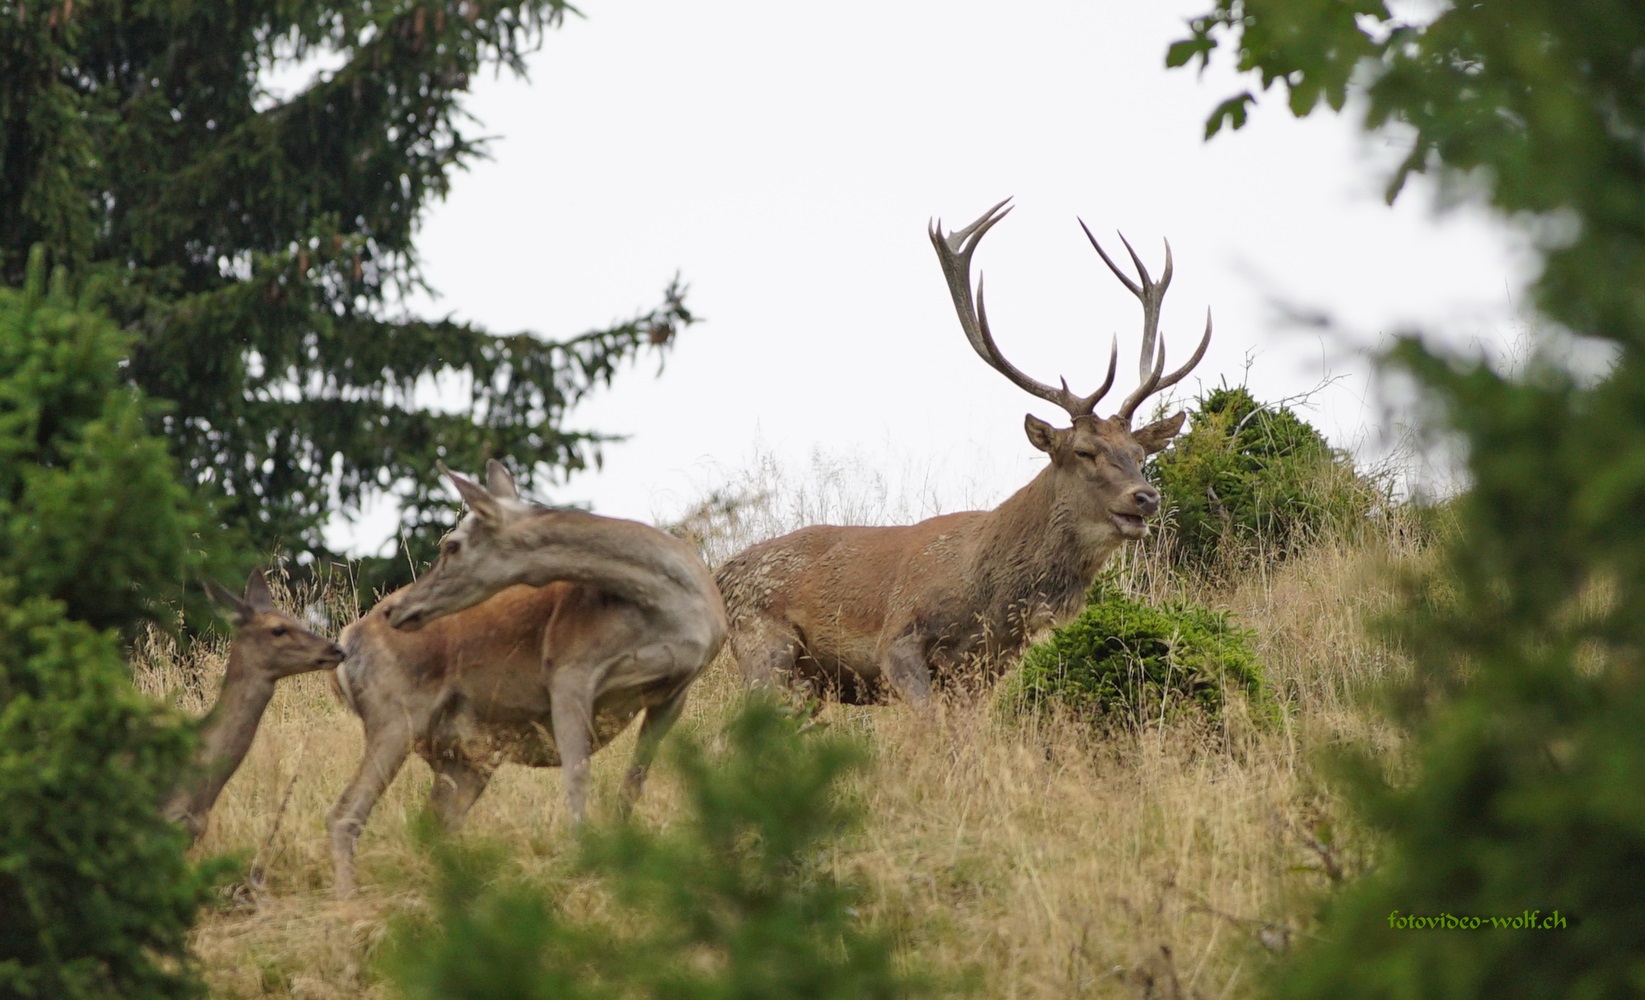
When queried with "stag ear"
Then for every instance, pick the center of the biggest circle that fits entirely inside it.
(240, 610)
(500, 481)
(258, 597)
(1041, 434)
(1158, 434)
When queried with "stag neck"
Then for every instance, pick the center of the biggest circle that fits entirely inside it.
(1034, 556)
(1039, 518)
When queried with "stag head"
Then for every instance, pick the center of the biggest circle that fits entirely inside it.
(470, 567)
(1097, 462)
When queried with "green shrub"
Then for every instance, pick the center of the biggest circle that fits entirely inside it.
(96, 895)
(1252, 480)
(736, 899)
(1125, 663)
(96, 898)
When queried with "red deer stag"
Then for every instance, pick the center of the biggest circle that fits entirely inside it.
(469, 669)
(266, 647)
(841, 608)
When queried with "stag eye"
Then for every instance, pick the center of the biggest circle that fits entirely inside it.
(1086, 454)
(451, 546)
(278, 630)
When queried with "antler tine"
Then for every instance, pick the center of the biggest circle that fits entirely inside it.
(1088, 404)
(954, 253)
(1165, 276)
(1150, 293)
(957, 240)
(1154, 383)
(1146, 384)
(1125, 279)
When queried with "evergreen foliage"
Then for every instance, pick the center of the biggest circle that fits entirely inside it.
(1123, 663)
(91, 512)
(1524, 715)
(97, 896)
(256, 248)
(98, 534)
(734, 900)
(1253, 481)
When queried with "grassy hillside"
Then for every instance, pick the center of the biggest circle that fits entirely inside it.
(1164, 863)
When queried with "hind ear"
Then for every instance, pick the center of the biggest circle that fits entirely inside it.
(484, 506)
(1158, 434)
(500, 481)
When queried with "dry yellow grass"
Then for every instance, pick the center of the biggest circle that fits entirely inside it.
(1051, 865)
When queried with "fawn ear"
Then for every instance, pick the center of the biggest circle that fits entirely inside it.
(258, 597)
(500, 481)
(1041, 434)
(1158, 434)
(239, 610)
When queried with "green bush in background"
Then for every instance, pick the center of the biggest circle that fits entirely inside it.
(736, 900)
(1252, 481)
(96, 898)
(1128, 664)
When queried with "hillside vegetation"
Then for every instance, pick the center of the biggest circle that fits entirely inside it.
(1035, 856)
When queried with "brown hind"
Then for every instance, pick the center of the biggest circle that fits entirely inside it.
(619, 619)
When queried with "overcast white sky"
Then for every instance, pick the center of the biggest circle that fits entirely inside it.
(785, 159)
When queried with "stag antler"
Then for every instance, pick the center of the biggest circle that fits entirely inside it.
(954, 251)
(1151, 294)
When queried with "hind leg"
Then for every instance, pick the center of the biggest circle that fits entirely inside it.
(659, 668)
(659, 719)
(458, 783)
(572, 716)
(387, 746)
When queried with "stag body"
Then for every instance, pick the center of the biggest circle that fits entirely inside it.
(843, 608)
(470, 669)
(266, 647)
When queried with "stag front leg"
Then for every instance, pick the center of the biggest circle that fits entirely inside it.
(765, 656)
(659, 719)
(387, 747)
(905, 667)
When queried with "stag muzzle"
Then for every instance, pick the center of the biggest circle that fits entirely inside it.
(1132, 524)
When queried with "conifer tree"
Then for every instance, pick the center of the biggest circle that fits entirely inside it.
(255, 248)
